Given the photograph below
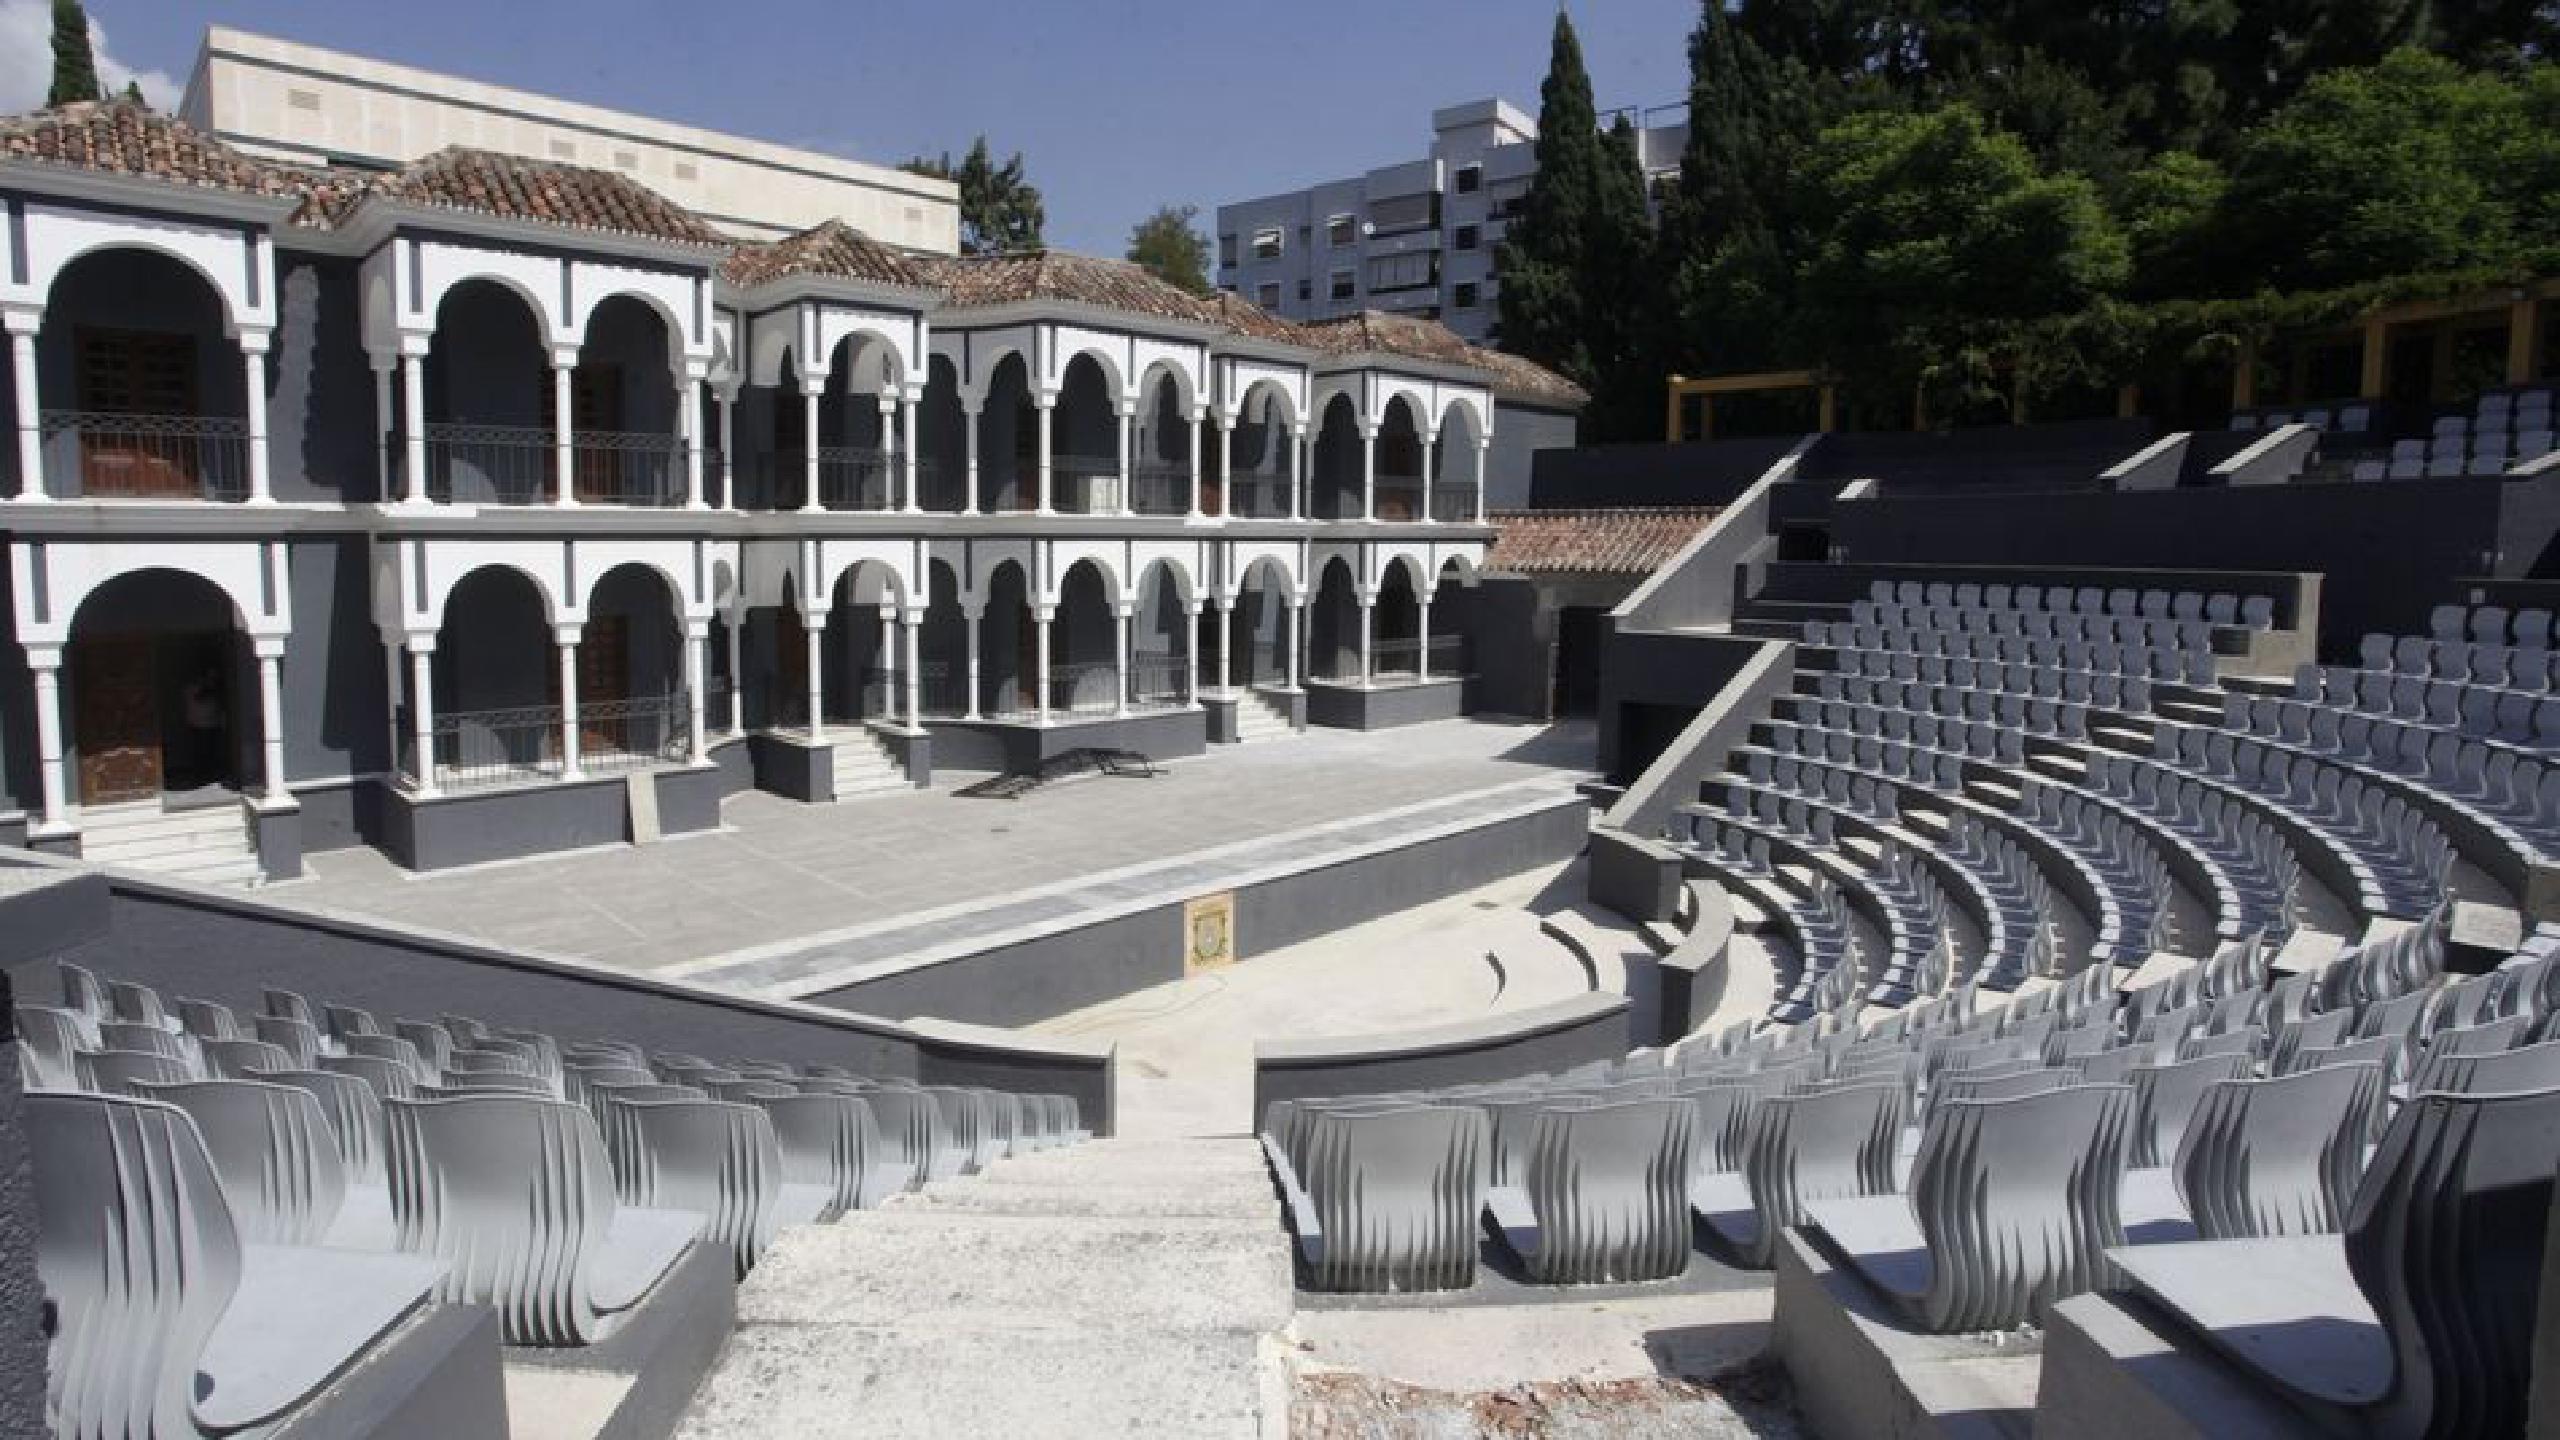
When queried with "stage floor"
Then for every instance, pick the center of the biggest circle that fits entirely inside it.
(719, 908)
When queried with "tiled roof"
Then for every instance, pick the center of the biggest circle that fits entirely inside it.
(1527, 378)
(1248, 319)
(1590, 542)
(975, 280)
(832, 248)
(125, 139)
(1377, 332)
(548, 192)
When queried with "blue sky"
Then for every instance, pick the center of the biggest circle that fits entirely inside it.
(1120, 105)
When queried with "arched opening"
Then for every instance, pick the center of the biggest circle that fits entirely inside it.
(1457, 467)
(632, 709)
(859, 467)
(781, 479)
(144, 396)
(1160, 471)
(1161, 640)
(1009, 645)
(1399, 463)
(1084, 644)
(623, 422)
(1262, 452)
(1085, 440)
(1453, 621)
(1333, 627)
(1336, 493)
(1009, 440)
(861, 652)
(489, 439)
(497, 683)
(1262, 626)
(944, 646)
(1395, 626)
(161, 685)
(942, 443)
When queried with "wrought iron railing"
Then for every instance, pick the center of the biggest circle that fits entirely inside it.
(850, 478)
(1399, 500)
(1084, 484)
(490, 464)
(1401, 659)
(1453, 504)
(715, 703)
(625, 467)
(1158, 680)
(1158, 487)
(619, 735)
(153, 457)
(1258, 497)
(475, 749)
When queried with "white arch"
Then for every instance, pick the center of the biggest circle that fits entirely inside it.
(1280, 396)
(551, 610)
(984, 593)
(1186, 391)
(54, 588)
(1416, 406)
(1116, 385)
(872, 362)
(875, 581)
(507, 284)
(1472, 415)
(1470, 569)
(672, 325)
(148, 244)
(1416, 568)
(676, 603)
(1185, 585)
(1115, 593)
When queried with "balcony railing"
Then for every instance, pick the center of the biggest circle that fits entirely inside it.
(851, 478)
(490, 464)
(153, 457)
(1400, 500)
(1158, 487)
(1258, 497)
(624, 467)
(1155, 683)
(1158, 681)
(475, 749)
(1401, 659)
(1084, 484)
(1453, 504)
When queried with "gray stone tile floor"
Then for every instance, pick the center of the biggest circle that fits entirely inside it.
(778, 873)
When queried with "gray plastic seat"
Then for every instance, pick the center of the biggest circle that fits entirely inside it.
(116, 1072)
(973, 1145)
(516, 1194)
(295, 1037)
(148, 1039)
(49, 1044)
(354, 1112)
(1603, 1195)
(2165, 1097)
(243, 1059)
(2013, 1206)
(833, 1156)
(911, 1131)
(2279, 1156)
(711, 1157)
(2527, 1067)
(136, 1004)
(206, 1020)
(1837, 1142)
(469, 1082)
(168, 1324)
(273, 1151)
(390, 1079)
(2420, 1319)
(1388, 1199)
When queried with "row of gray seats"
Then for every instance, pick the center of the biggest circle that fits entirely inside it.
(2138, 659)
(2511, 793)
(2474, 694)
(2527, 627)
(2402, 855)
(1829, 952)
(2344, 417)
(2255, 612)
(2160, 631)
(2245, 847)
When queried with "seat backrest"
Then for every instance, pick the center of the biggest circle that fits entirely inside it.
(115, 1072)
(390, 1079)
(909, 1124)
(243, 1059)
(295, 1037)
(135, 1246)
(1398, 1193)
(50, 1040)
(1838, 1142)
(2166, 1095)
(825, 1140)
(273, 1151)
(2279, 1156)
(354, 1112)
(1609, 1185)
(712, 1157)
(2527, 1067)
(2017, 1200)
(2446, 1240)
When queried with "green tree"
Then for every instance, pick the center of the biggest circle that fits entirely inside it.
(1544, 256)
(2171, 210)
(1168, 246)
(1000, 210)
(1621, 296)
(75, 68)
(133, 94)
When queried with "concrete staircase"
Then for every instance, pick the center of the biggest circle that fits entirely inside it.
(864, 765)
(1119, 1287)
(209, 845)
(1258, 717)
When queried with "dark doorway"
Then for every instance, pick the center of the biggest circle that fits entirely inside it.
(1644, 732)
(1577, 678)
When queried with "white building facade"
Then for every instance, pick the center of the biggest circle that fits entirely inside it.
(493, 507)
(1415, 238)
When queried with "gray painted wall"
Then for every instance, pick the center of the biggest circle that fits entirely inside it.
(1521, 434)
(1540, 1040)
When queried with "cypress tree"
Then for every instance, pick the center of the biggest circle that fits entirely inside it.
(1621, 294)
(1544, 259)
(75, 69)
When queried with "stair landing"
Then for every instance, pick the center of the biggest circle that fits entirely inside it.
(207, 844)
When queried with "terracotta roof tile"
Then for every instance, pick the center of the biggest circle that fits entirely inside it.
(1590, 542)
(976, 280)
(1378, 332)
(125, 139)
(1527, 378)
(514, 188)
(831, 248)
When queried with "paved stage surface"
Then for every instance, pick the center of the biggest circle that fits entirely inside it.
(711, 906)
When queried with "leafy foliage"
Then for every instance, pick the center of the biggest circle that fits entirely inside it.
(1172, 249)
(1000, 210)
(75, 67)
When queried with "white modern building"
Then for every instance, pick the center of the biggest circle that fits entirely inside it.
(281, 100)
(493, 505)
(1415, 238)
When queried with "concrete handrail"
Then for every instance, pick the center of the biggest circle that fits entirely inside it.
(2271, 459)
(2153, 467)
(1695, 586)
(1693, 974)
(1537, 1039)
(1719, 725)
(2543, 464)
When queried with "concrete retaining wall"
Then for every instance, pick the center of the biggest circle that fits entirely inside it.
(1536, 1040)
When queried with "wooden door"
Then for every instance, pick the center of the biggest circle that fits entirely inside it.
(136, 372)
(116, 702)
(604, 677)
(595, 407)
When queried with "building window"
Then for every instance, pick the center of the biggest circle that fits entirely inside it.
(1403, 272)
(1343, 284)
(1468, 237)
(1267, 243)
(302, 99)
(1341, 230)
(1405, 212)
(1268, 297)
(1465, 299)
(1470, 179)
(1227, 252)
(1306, 288)
(685, 171)
(564, 150)
(626, 159)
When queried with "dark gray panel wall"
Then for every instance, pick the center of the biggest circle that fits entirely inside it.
(320, 422)
(1522, 434)
(336, 677)
(1691, 472)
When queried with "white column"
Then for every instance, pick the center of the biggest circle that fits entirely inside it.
(915, 669)
(22, 378)
(382, 428)
(395, 673)
(413, 427)
(1300, 463)
(907, 414)
(1191, 655)
(1428, 443)
(737, 673)
(1040, 623)
(729, 471)
(1195, 467)
(970, 620)
(689, 416)
(46, 662)
(1043, 405)
(1128, 425)
(969, 476)
(809, 456)
(271, 717)
(697, 678)
(813, 627)
(889, 447)
(1226, 467)
(253, 370)
(888, 665)
(564, 483)
(1422, 660)
(570, 766)
(1227, 643)
(1368, 473)
(1120, 661)
(422, 709)
(1482, 447)
(1289, 642)
(1366, 612)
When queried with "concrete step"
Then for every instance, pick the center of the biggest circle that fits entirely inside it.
(1117, 1202)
